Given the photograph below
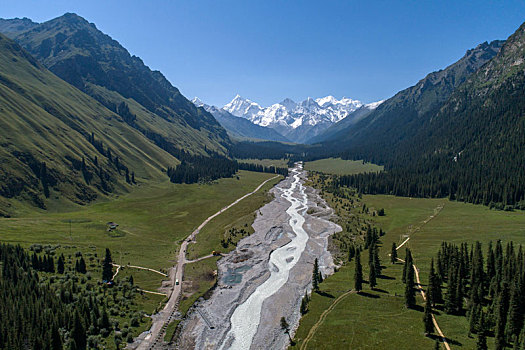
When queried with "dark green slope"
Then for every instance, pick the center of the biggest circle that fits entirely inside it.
(473, 147)
(46, 120)
(399, 117)
(76, 51)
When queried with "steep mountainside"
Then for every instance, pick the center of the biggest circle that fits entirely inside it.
(238, 127)
(59, 144)
(79, 53)
(472, 148)
(398, 117)
(335, 130)
(298, 122)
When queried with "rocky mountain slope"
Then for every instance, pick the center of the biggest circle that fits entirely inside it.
(400, 116)
(76, 51)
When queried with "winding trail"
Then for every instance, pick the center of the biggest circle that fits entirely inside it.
(322, 318)
(160, 320)
(325, 313)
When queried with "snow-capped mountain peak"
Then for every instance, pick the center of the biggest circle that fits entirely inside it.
(242, 107)
(197, 102)
(289, 117)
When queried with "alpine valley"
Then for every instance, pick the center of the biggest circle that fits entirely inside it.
(132, 217)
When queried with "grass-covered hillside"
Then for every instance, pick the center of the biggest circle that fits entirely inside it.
(58, 144)
(76, 51)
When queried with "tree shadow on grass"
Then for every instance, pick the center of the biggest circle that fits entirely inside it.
(450, 341)
(380, 290)
(418, 308)
(368, 295)
(325, 294)
(383, 277)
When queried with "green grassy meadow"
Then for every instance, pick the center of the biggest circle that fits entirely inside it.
(152, 220)
(339, 166)
(378, 319)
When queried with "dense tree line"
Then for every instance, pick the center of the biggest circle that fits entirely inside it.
(42, 310)
(193, 169)
(263, 169)
(488, 289)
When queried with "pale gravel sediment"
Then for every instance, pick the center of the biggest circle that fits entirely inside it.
(272, 231)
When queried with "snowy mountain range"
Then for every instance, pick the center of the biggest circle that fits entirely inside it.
(297, 122)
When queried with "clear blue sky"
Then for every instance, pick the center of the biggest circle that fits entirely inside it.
(267, 50)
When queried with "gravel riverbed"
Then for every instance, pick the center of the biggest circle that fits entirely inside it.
(249, 277)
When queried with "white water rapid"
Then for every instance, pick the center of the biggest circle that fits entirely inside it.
(246, 317)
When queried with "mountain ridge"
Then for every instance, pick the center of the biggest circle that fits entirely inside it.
(98, 65)
(297, 121)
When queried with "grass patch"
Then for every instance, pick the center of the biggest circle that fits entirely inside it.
(379, 319)
(199, 277)
(170, 330)
(339, 166)
(235, 223)
(144, 279)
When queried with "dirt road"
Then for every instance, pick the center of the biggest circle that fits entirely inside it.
(162, 319)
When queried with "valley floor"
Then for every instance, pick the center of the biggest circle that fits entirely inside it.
(378, 319)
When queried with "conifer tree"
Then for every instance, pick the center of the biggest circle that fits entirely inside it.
(410, 292)
(82, 265)
(434, 285)
(304, 305)
(56, 339)
(501, 317)
(315, 276)
(408, 262)
(427, 317)
(107, 267)
(78, 333)
(358, 273)
(372, 275)
(60, 264)
(393, 254)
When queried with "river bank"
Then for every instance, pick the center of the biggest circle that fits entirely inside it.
(265, 278)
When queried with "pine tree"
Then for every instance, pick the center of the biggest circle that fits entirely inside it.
(60, 264)
(304, 305)
(358, 273)
(82, 265)
(501, 317)
(372, 276)
(434, 286)
(515, 314)
(410, 292)
(315, 276)
(56, 339)
(481, 344)
(78, 333)
(393, 254)
(427, 318)
(107, 267)
(408, 261)
(377, 261)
